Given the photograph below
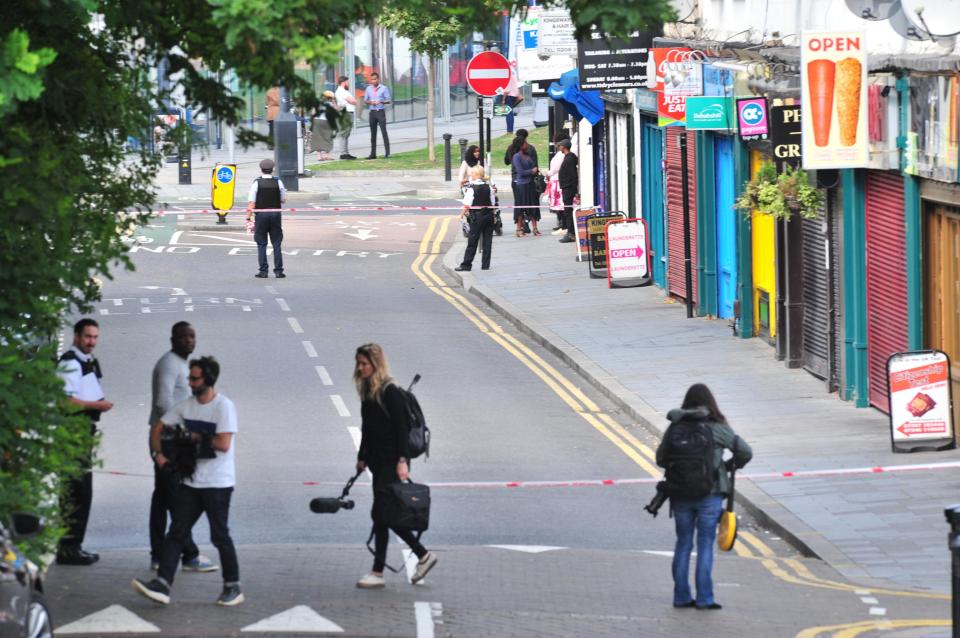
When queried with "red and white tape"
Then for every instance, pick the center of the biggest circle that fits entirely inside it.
(330, 209)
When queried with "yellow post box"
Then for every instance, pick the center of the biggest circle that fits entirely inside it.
(223, 181)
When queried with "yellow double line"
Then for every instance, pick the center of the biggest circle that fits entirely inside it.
(787, 569)
(570, 394)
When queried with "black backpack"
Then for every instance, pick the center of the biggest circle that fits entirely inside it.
(689, 468)
(418, 442)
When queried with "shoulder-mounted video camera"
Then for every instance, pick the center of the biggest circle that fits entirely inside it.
(321, 505)
(183, 450)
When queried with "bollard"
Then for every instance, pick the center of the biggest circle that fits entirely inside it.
(953, 542)
(446, 157)
(184, 165)
(463, 148)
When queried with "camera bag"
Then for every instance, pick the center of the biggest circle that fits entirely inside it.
(403, 505)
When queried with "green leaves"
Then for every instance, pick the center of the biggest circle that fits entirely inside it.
(21, 79)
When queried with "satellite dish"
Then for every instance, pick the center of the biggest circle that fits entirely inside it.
(907, 29)
(873, 9)
(939, 18)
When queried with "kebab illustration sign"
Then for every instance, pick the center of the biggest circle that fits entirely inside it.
(833, 78)
(921, 414)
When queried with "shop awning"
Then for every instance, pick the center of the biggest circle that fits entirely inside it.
(580, 104)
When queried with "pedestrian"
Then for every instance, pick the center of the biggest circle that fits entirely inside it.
(701, 514)
(470, 159)
(169, 387)
(525, 198)
(267, 193)
(568, 180)
(273, 108)
(210, 419)
(554, 197)
(347, 104)
(383, 450)
(377, 96)
(325, 127)
(81, 376)
(478, 193)
(522, 134)
(512, 98)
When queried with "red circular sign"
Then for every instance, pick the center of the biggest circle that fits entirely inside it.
(488, 73)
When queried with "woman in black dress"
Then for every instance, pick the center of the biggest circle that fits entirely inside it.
(526, 199)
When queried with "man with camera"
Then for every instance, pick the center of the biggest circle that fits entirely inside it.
(199, 435)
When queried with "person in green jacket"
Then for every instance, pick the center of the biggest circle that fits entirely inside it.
(700, 515)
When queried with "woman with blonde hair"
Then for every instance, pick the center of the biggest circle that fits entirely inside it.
(385, 429)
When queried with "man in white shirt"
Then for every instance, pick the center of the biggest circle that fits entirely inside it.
(209, 419)
(347, 103)
(170, 387)
(81, 375)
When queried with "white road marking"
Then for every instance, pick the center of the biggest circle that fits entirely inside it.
(283, 304)
(339, 405)
(362, 234)
(324, 375)
(112, 620)
(424, 613)
(299, 619)
(175, 237)
(295, 325)
(869, 600)
(878, 611)
(654, 552)
(239, 241)
(311, 351)
(176, 292)
(355, 435)
(529, 549)
(862, 592)
(271, 290)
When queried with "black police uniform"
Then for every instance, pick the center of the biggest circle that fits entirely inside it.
(267, 222)
(480, 227)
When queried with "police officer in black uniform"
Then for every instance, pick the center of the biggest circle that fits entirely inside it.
(478, 193)
(267, 193)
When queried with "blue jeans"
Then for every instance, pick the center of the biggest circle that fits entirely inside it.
(189, 504)
(701, 515)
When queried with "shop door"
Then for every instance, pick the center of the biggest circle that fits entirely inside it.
(676, 274)
(886, 279)
(941, 309)
(764, 264)
(818, 265)
(726, 226)
(652, 194)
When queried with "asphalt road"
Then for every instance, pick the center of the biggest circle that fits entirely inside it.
(572, 560)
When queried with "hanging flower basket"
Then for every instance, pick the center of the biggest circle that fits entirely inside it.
(780, 196)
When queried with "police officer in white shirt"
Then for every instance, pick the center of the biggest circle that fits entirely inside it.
(267, 193)
(81, 374)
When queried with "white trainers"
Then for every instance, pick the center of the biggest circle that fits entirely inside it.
(424, 565)
(371, 581)
(559, 231)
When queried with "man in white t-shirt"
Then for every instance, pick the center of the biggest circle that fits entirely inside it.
(347, 103)
(210, 420)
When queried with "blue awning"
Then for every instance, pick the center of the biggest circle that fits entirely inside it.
(581, 104)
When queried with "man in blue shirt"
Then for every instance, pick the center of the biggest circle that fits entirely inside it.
(377, 96)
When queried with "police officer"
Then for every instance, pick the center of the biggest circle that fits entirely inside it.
(267, 193)
(478, 193)
(81, 375)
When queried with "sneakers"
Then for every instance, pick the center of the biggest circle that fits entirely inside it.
(559, 231)
(154, 590)
(200, 564)
(230, 596)
(371, 581)
(424, 565)
(567, 239)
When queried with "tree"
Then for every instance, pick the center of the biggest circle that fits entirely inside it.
(75, 88)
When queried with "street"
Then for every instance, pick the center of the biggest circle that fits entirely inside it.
(531, 540)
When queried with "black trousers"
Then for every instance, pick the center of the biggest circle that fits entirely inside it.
(268, 224)
(378, 118)
(383, 475)
(77, 499)
(568, 194)
(165, 487)
(189, 504)
(482, 227)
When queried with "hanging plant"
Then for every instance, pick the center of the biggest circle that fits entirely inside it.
(780, 195)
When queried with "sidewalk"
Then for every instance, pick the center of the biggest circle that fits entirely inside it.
(639, 348)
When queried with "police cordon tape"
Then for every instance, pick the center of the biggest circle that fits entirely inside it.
(333, 209)
(757, 476)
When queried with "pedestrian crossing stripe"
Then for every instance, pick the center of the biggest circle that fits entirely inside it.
(112, 620)
(299, 619)
(529, 549)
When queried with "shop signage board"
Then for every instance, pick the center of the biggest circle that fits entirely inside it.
(921, 405)
(786, 135)
(617, 64)
(671, 110)
(683, 74)
(833, 79)
(530, 66)
(709, 113)
(752, 119)
(596, 227)
(659, 57)
(555, 36)
(628, 253)
(488, 73)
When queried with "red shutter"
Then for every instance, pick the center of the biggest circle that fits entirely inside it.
(886, 279)
(676, 279)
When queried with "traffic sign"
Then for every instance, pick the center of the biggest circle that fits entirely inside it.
(488, 73)
(502, 109)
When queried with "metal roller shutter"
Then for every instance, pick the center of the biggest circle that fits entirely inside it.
(676, 280)
(886, 279)
(816, 295)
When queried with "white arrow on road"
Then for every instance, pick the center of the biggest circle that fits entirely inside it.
(177, 292)
(362, 234)
(112, 620)
(299, 619)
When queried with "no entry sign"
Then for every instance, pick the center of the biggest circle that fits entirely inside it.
(488, 73)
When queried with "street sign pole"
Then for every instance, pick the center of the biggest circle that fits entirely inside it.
(480, 125)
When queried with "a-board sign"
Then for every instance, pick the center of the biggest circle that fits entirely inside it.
(921, 405)
(580, 230)
(597, 242)
(628, 253)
